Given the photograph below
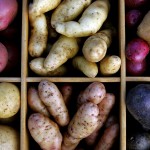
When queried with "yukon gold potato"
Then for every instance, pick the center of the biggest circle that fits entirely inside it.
(37, 66)
(52, 98)
(90, 22)
(38, 38)
(35, 102)
(90, 69)
(9, 100)
(39, 7)
(62, 50)
(45, 132)
(9, 138)
(110, 65)
(68, 10)
(94, 93)
(95, 47)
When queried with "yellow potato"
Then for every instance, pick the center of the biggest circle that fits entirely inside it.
(95, 47)
(9, 138)
(90, 69)
(52, 98)
(45, 132)
(39, 7)
(68, 10)
(9, 100)
(90, 22)
(37, 66)
(110, 65)
(62, 50)
(35, 102)
(38, 38)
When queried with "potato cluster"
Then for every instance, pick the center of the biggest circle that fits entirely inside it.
(71, 25)
(53, 125)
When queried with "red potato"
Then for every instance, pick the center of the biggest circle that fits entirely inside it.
(108, 138)
(136, 68)
(9, 9)
(105, 107)
(135, 3)
(3, 57)
(53, 100)
(35, 102)
(45, 132)
(133, 17)
(95, 92)
(137, 50)
(110, 121)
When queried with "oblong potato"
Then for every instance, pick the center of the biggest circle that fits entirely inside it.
(68, 10)
(110, 65)
(52, 98)
(35, 102)
(9, 138)
(85, 121)
(9, 99)
(62, 50)
(90, 69)
(38, 38)
(94, 93)
(90, 22)
(37, 66)
(45, 132)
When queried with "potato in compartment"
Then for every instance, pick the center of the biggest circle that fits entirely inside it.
(79, 126)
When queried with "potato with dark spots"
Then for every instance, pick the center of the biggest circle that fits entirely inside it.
(35, 102)
(45, 132)
(94, 93)
(53, 100)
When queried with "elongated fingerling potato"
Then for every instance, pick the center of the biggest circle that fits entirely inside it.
(94, 93)
(105, 107)
(52, 98)
(62, 50)
(90, 69)
(35, 102)
(37, 66)
(45, 132)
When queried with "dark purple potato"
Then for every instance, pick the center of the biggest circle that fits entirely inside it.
(135, 3)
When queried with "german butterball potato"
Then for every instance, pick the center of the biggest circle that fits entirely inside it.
(138, 104)
(9, 100)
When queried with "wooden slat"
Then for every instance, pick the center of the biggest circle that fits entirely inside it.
(123, 75)
(138, 79)
(24, 138)
(7, 79)
(75, 79)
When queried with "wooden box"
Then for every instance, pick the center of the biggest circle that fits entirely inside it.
(120, 79)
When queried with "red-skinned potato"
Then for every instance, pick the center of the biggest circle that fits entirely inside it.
(9, 9)
(136, 68)
(3, 57)
(135, 3)
(137, 50)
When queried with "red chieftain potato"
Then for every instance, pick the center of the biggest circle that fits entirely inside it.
(9, 9)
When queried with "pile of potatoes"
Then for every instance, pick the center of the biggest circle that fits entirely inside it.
(53, 124)
(9, 107)
(71, 30)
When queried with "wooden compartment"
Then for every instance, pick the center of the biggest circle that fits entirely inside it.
(27, 78)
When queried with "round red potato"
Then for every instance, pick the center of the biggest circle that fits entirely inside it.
(3, 57)
(136, 68)
(9, 9)
(133, 17)
(135, 3)
(137, 50)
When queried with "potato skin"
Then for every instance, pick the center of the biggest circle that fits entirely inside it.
(45, 132)
(94, 93)
(9, 100)
(52, 98)
(84, 121)
(35, 102)
(9, 138)
(110, 65)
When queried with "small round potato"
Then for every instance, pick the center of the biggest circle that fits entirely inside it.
(9, 138)
(110, 65)
(9, 100)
